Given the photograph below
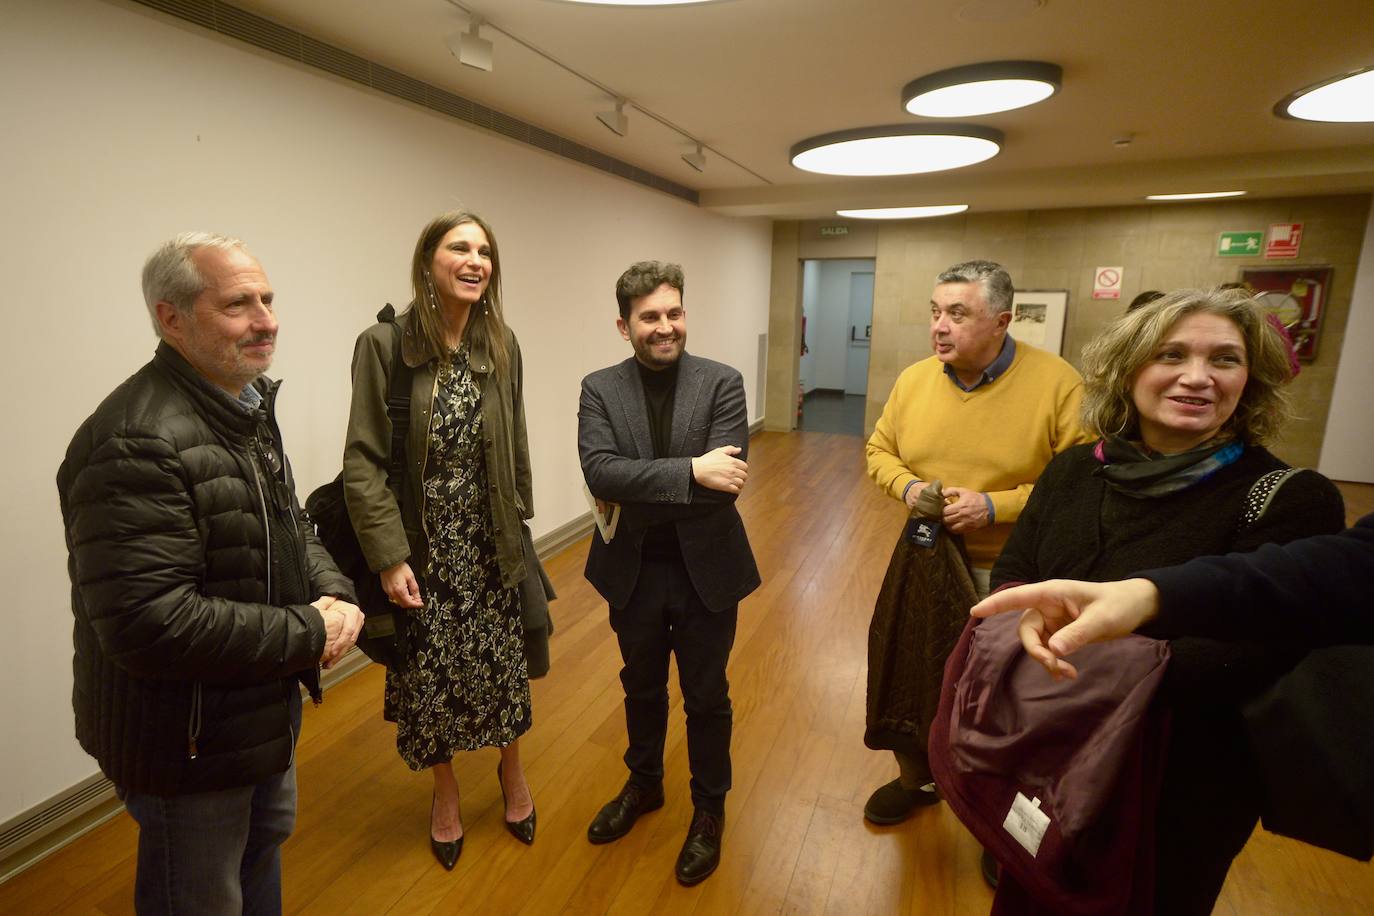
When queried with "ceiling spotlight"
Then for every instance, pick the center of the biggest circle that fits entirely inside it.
(1345, 98)
(903, 212)
(615, 121)
(1199, 195)
(979, 89)
(897, 149)
(696, 160)
(471, 49)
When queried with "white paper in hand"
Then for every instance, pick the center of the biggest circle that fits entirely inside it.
(605, 521)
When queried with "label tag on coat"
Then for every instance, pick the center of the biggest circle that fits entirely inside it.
(1027, 823)
(922, 531)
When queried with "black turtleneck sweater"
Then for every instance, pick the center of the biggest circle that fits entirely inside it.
(660, 386)
(660, 390)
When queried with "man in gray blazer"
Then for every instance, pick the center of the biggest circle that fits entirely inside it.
(664, 436)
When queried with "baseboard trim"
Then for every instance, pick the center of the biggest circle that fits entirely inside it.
(37, 833)
(52, 824)
(28, 838)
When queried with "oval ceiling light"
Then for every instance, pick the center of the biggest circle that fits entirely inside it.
(637, 2)
(1344, 99)
(897, 149)
(1196, 195)
(903, 212)
(979, 89)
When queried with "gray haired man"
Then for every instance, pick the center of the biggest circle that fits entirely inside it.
(203, 600)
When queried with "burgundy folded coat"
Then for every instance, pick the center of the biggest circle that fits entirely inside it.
(1089, 751)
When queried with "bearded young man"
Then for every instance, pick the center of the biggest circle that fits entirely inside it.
(665, 436)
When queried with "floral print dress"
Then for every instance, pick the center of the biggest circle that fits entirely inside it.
(465, 684)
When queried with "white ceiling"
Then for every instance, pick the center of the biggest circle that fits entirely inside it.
(1193, 81)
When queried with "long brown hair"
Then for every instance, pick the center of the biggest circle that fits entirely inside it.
(486, 327)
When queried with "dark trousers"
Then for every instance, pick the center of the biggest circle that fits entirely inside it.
(1208, 807)
(664, 615)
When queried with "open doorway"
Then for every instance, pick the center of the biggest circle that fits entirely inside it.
(837, 316)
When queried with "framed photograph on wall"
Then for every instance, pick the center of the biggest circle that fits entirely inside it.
(1297, 297)
(1037, 317)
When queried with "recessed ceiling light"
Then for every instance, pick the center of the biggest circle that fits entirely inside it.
(903, 212)
(1199, 195)
(978, 89)
(1345, 98)
(897, 149)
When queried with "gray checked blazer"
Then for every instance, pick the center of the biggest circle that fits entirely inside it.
(617, 455)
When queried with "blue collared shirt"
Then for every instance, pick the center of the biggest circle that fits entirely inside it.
(999, 365)
(251, 399)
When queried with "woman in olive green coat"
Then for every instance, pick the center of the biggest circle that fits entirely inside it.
(447, 539)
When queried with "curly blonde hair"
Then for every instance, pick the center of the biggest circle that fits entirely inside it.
(1110, 364)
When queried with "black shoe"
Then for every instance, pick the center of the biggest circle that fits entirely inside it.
(521, 830)
(892, 804)
(992, 872)
(619, 814)
(447, 852)
(701, 852)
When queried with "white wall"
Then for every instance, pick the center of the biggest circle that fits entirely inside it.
(123, 127)
(1348, 445)
(806, 368)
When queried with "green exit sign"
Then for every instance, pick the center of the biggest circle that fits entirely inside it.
(1240, 244)
(834, 230)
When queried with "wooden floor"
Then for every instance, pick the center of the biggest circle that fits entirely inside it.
(795, 837)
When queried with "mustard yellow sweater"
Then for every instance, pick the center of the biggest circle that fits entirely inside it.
(995, 439)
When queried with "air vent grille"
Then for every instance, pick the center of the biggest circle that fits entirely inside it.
(270, 36)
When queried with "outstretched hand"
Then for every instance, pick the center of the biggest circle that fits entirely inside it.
(1061, 616)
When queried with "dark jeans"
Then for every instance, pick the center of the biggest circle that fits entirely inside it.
(215, 852)
(664, 615)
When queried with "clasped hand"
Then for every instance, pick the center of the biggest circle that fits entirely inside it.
(342, 624)
(965, 509)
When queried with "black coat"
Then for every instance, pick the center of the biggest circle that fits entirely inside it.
(191, 629)
(617, 453)
(1313, 592)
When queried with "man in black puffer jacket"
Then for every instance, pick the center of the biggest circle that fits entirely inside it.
(201, 594)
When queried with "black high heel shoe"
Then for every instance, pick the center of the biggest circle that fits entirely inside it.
(521, 830)
(447, 852)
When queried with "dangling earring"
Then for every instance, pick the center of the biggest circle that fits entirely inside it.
(430, 292)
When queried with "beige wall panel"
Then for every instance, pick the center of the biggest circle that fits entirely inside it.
(1160, 246)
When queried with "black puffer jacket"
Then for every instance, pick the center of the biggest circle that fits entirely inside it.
(192, 609)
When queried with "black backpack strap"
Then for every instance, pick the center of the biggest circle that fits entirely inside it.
(397, 401)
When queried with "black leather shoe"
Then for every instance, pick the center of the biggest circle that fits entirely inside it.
(992, 872)
(701, 852)
(521, 830)
(617, 816)
(447, 852)
(892, 804)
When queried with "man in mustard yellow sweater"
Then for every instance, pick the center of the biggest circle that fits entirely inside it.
(984, 416)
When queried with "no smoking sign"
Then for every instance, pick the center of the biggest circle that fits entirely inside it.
(1107, 282)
